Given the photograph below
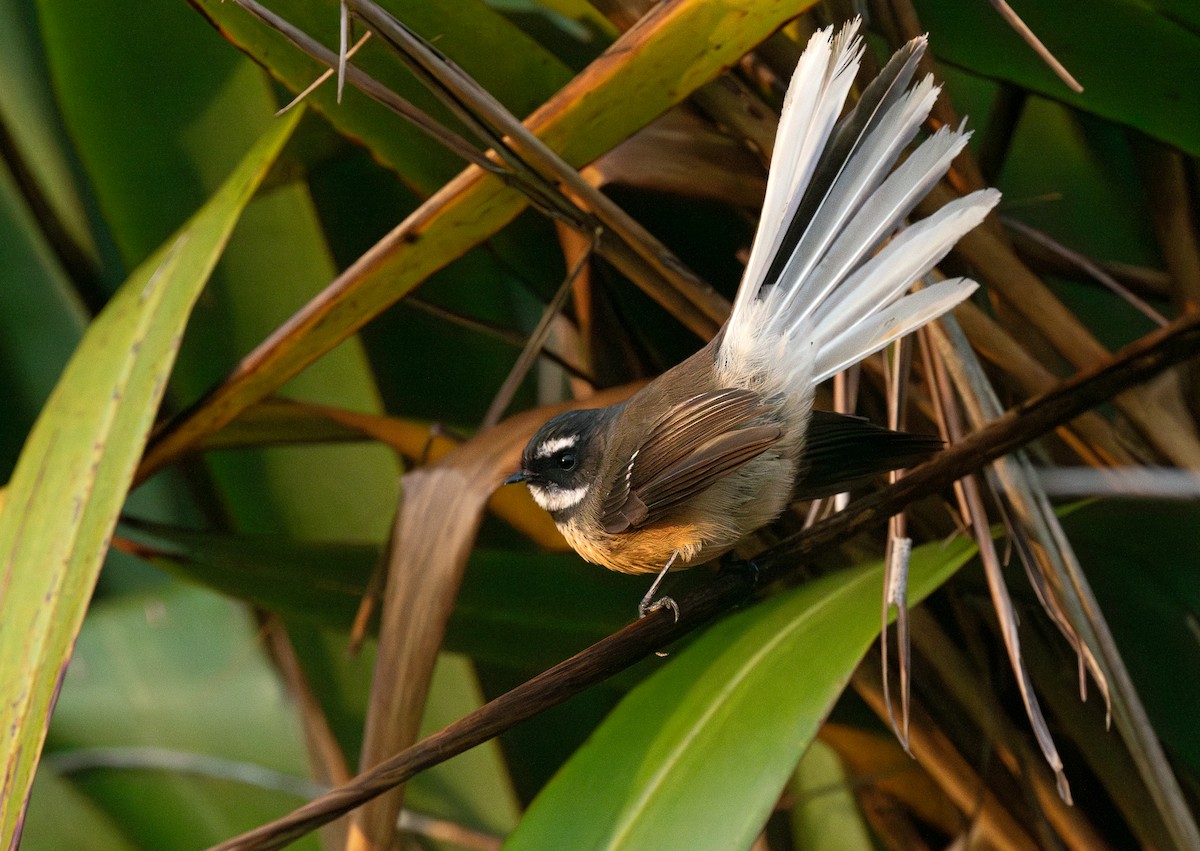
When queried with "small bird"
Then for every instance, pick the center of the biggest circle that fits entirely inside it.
(718, 446)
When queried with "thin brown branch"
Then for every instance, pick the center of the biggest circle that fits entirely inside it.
(1023, 30)
(325, 757)
(536, 342)
(321, 78)
(1092, 269)
(1133, 364)
(370, 86)
(507, 336)
(1145, 281)
(621, 239)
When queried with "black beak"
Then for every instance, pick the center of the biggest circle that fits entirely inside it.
(516, 478)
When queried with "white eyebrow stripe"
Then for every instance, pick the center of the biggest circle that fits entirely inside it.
(556, 444)
(554, 498)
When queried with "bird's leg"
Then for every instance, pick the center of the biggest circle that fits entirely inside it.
(649, 604)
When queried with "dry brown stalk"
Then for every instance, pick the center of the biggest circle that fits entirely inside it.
(1133, 364)
(440, 512)
(1157, 418)
(995, 825)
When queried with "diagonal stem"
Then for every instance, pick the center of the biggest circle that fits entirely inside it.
(1135, 363)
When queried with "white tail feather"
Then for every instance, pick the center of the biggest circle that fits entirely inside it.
(908, 257)
(811, 107)
(819, 294)
(861, 175)
(874, 222)
(902, 317)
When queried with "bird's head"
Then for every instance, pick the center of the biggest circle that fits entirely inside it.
(561, 462)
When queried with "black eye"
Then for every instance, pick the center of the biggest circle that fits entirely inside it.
(567, 461)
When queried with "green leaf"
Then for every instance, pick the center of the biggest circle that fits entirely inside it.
(1147, 589)
(79, 460)
(199, 107)
(35, 136)
(516, 610)
(1136, 66)
(826, 816)
(88, 829)
(181, 748)
(700, 751)
(41, 321)
(1183, 12)
(509, 64)
(154, 137)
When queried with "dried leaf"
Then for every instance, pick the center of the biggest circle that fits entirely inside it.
(435, 531)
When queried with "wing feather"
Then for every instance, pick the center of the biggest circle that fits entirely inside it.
(691, 446)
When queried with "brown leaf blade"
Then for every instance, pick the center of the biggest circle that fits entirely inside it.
(435, 530)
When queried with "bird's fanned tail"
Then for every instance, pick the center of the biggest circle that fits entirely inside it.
(819, 293)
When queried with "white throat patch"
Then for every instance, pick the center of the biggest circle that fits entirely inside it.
(556, 444)
(553, 498)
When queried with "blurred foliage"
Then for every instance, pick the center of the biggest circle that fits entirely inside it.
(179, 723)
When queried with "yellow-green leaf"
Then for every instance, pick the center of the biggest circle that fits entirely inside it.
(77, 465)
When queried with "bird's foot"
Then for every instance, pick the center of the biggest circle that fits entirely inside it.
(647, 606)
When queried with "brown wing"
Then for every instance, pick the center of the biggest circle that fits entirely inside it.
(691, 446)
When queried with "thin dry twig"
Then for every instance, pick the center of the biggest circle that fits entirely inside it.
(321, 78)
(343, 54)
(971, 504)
(1085, 263)
(1023, 30)
(536, 342)
(371, 87)
(507, 336)
(325, 757)
(899, 548)
(444, 831)
(1135, 363)
(1146, 281)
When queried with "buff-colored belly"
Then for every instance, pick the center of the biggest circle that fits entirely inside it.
(709, 526)
(643, 550)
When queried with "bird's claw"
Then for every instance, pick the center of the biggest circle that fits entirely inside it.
(646, 607)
